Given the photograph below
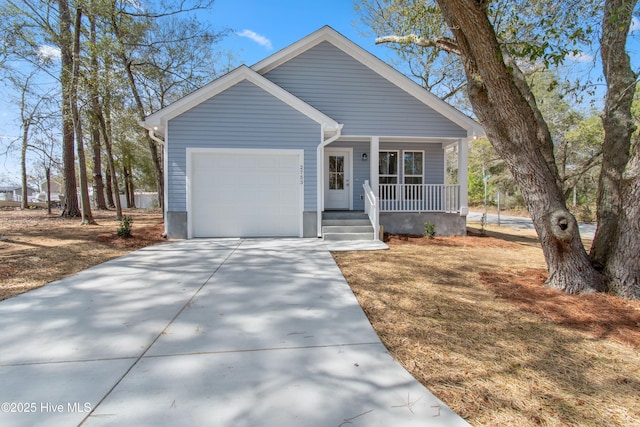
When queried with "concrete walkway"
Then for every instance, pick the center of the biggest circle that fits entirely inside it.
(258, 332)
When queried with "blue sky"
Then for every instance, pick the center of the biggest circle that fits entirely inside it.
(264, 27)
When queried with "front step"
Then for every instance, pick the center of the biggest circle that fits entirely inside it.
(346, 225)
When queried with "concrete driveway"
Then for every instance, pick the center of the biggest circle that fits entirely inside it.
(251, 332)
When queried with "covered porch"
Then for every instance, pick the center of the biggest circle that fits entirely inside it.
(399, 182)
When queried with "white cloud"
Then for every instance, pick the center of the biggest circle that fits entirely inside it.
(261, 40)
(48, 53)
(635, 24)
(580, 57)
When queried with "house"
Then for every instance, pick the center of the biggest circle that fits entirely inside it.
(320, 127)
(56, 185)
(14, 193)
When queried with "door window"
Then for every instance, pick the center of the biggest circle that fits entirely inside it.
(336, 172)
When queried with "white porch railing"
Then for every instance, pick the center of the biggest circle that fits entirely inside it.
(371, 208)
(419, 198)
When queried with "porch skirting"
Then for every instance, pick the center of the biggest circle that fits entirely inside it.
(447, 224)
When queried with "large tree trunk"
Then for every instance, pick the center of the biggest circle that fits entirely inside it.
(505, 106)
(70, 203)
(87, 217)
(623, 265)
(617, 121)
(98, 183)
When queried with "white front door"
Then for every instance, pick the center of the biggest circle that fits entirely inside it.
(337, 178)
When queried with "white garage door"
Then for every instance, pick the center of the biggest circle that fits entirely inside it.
(246, 193)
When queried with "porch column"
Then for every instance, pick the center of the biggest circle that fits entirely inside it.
(374, 154)
(463, 175)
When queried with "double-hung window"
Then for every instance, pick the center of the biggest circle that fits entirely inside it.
(388, 173)
(413, 172)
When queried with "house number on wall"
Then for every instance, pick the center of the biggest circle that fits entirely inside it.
(301, 174)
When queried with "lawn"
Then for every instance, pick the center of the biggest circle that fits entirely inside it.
(37, 248)
(470, 318)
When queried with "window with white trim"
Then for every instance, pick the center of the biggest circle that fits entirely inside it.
(413, 172)
(388, 173)
(413, 167)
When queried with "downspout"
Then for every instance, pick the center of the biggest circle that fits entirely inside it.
(153, 137)
(320, 175)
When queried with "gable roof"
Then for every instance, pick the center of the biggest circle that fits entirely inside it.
(328, 34)
(158, 120)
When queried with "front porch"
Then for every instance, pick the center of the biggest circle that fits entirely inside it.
(400, 183)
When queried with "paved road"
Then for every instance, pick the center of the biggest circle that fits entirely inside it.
(586, 230)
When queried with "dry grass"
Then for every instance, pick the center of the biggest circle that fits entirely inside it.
(470, 319)
(36, 248)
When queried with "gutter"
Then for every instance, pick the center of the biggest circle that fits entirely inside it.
(152, 135)
(320, 173)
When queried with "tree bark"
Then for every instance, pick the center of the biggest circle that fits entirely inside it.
(132, 189)
(127, 194)
(98, 183)
(109, 190)
(85, 207)
(70, 203)
(618, 124)
(505, 106)
(105, 126)
(623, 266)
(24, 204)
(47, 171)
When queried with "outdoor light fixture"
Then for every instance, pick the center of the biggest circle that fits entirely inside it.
(364, 157)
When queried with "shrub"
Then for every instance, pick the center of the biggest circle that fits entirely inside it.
(125, 226)
(429, 229)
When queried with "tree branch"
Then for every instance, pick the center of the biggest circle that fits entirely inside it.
(443, 43)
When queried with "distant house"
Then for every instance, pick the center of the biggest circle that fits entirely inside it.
(320, 132)
(15, 193)
(56, 185)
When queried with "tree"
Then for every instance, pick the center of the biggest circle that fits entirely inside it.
(139, 55)
(617, 242)
(85, 207)
(155, 47)
(65, 43)
(504, 103)
(31, 115)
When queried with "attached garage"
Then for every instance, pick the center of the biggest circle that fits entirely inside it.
(245, 193)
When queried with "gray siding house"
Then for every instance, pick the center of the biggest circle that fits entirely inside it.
(321, 129)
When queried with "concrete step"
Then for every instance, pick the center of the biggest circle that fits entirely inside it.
(346, 225)
(347, 228)
(348, 236)
(346, 222)
(330, 215)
